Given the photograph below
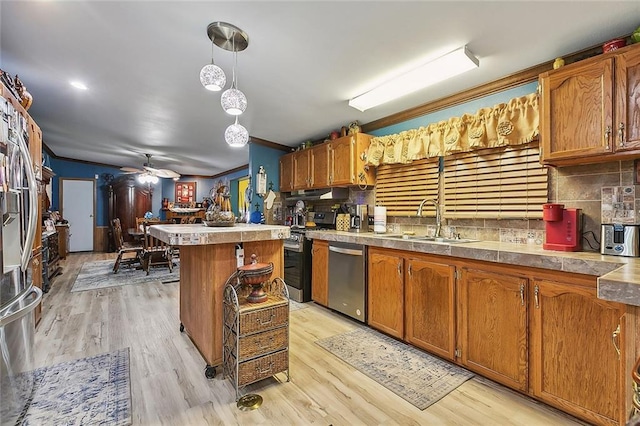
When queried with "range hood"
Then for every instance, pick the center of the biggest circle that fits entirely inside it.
(320, 194)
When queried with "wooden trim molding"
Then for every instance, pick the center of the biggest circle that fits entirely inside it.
(237, 169)
(269, 144)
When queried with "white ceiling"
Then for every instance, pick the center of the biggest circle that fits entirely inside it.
(305, 59)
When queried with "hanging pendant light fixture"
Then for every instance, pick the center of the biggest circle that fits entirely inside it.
(212, 76)
(233, 101)
(236, 135)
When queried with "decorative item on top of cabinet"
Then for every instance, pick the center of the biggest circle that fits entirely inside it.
(256, 334)
(589, 109)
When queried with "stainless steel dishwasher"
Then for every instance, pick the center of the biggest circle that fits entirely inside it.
(347, 279)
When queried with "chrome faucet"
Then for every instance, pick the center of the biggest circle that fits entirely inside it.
(438, 217)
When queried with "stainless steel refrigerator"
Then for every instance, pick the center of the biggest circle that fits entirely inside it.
(18, 296)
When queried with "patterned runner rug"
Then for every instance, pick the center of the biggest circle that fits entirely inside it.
(95, 275)
(410, 373)
(87, 391)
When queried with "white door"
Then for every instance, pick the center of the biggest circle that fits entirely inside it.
(78, 197)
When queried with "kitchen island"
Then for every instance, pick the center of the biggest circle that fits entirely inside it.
(207, 259)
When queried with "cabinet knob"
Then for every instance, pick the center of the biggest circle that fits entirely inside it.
(607, 135)
(621, 134)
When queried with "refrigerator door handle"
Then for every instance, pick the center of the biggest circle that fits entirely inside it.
(36, 293)
(33, 202)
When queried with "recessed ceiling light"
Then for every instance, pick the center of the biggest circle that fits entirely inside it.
(78, 85)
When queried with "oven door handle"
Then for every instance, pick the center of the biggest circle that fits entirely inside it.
(341, 250)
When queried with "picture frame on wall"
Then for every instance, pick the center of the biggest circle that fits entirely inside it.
(185, 192)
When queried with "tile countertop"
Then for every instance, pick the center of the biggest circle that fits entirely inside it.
(618, 277)
(199, 234)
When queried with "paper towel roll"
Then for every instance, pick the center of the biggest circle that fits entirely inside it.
(379, 219)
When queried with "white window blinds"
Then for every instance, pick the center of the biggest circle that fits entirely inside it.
(498, 183)
(401, 187)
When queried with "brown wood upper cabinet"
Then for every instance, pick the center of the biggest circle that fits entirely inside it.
(340, 162)
(286, 172)
(589, 109)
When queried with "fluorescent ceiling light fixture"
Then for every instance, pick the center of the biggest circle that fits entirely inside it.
(442, 68)
(78, 85)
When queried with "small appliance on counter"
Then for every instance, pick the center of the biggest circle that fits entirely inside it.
(359, 218)
(563, 228)
(620, 240)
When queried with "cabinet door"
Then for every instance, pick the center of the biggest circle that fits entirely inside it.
(575, 365)
(429, 306)
(493, 326)
(320, 166)
(341, 154)
(301, 169)
(576, 111)
(320, 272)
(385, 292)
(627, 124)
(286, 173)
(35, 147)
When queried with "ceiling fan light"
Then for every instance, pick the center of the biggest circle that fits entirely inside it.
(212, 77)
(236, 135)
(152, 179)
(142, 178)
(233, 101)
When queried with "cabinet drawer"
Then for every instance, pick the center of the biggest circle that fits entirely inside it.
(263, 367)
(263, 343)
(263, 319)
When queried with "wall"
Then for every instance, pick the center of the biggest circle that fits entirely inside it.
(77, 169)
(269, 158)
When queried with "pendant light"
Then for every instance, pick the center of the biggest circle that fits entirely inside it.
(212, 76)
(236, 135)
(233, 101)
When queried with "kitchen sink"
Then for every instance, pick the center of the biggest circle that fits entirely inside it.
(432, 239)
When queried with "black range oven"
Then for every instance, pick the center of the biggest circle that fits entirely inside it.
(297, 257)
(297, 266)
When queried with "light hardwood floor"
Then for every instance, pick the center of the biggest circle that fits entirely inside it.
(168, 385)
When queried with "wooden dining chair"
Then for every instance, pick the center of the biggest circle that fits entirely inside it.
(128, 254)
(155, 252)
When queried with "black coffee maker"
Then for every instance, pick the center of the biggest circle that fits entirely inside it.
(359, 218)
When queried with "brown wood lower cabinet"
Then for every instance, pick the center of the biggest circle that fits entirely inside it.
(493, 326)
(320, 272)
(430, 305)
(543, 333)
(385, 301)
(575, 364)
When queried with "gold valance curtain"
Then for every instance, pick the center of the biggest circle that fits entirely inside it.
(513, 123)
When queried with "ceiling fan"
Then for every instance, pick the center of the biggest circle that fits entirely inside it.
(149, 170)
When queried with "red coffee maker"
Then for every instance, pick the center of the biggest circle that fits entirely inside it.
(563, 228)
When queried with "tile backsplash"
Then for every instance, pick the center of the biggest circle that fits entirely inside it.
(574, 186)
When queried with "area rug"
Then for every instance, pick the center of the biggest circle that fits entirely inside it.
(416, 376)
(87, 391)
(95, 275)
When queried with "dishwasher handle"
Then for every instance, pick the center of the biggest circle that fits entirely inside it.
(346, 251)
